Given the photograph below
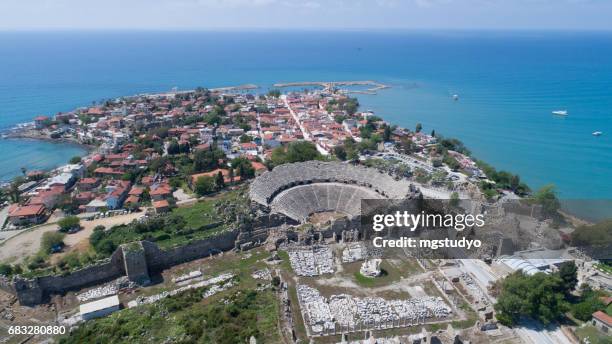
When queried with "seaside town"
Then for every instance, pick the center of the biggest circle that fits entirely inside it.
(196, 206)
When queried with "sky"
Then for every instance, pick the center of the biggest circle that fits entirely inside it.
(306, 14)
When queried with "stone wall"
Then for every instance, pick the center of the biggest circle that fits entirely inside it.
(7, 285)
(159, 259)
(137, 264)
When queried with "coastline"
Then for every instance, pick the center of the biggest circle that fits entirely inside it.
(60, 144)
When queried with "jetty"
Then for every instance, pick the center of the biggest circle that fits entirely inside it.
(329, 85)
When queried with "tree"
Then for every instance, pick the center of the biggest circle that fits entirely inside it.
(208, 159)
(547, 198)
(584, 309)
(515, 182)
(204, 185)
(569, 275)
(387, 133)
(245, 138)
(219, 182)
(274, 93)
(297, 151)
(174, 148)
(69, 223)
(340, 152)
(230, 174)
(418, 127)
(433, 133)
(6, 270)
(50, 240)
(244, 167)
(75, 160)
(454, 199)
(538, 297)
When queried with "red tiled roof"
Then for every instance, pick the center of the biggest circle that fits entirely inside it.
(88, 180)
(28, 210)
(258, 166)
(161, 204)
(132, 199)
(603, 317)
(136, 191)
(161, 190)
(107, 170)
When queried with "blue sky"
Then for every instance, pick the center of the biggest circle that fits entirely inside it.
(306, 14)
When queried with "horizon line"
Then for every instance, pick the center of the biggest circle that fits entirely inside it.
(305, 29)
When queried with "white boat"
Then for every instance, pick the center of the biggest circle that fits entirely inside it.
(597, 133)
(560, 112)
(455, 96)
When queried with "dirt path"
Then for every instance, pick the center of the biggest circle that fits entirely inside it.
(27, 243)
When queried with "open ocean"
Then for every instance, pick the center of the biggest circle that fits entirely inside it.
(508, 83)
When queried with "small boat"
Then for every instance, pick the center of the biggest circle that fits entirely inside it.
(597, 133)
(455, 97)
(560, 112)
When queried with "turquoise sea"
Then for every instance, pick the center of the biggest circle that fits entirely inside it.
(508, 83)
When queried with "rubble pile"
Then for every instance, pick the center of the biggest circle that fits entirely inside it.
(185, 277)
(354, 252)
(359, 251)
(263, 274)
(154, 298)
(106, 290)
(323, 314)
(476, 292)
(217, 288)
(312, 260)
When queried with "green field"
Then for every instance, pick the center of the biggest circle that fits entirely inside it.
(185, 318)
(595, 336)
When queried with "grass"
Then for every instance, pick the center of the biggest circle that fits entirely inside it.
(197, 215)
(371, 282)
(595, 336)
(185, 318)
(390, 274)
(231, 316)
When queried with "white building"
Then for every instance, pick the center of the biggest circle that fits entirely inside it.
(100, 308)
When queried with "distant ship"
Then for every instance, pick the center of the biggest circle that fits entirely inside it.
(560, 112)
(455, 96)
(597, 133)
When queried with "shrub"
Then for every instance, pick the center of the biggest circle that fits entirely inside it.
(49, 240)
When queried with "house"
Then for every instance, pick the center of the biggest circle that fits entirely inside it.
(84, 197)
(136, 191)
(602, 322)
(161, 206)
(27, 215)
(65, 180)
(47, 197)
(99, 308)
(108, 171)
(88, 184)
(117, 192)
(131, 200)
(160, 192)
(258, 167)
(95, 206)
(40, 121)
